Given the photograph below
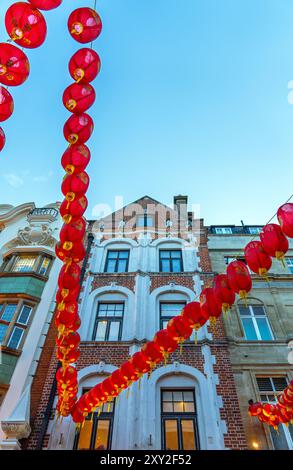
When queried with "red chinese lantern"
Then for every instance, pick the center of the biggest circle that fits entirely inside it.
(255, 408)
(68, 343)
(76, 208)
(75, 158)
(128, 372)
(210, 305)
(179, 329)
(70, 358)
(109, 389)
(223, 294)
(152, 354)
(68, 311)
(67, 295)
(66, 323)
(98, 394)
(46, 4)
(274, 241)
(78, 98)
(239, 278)
(78, 128)
(194, 315)
(268, 409)
(2, 139)
(69, 276)
(257, 259)
(119, 381)
(165, 344)
(77, 414)
(72, 232)
(25, 25)
(84, 65)
(139, 363)
(73, 255)
(74, 186)
(66, 376)
(6, 104)
(84, 25)
(14, 65)
(285, 218)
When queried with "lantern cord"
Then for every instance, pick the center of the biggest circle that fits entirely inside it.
(95, 8)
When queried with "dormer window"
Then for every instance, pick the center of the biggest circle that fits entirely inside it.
(145, 221)
(223, 230)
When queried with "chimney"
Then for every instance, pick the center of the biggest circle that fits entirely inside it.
(180, 203)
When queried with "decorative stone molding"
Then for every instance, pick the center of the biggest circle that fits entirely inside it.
(36, 234)
(16, 429)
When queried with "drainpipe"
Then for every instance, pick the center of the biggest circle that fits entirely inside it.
(53, 391)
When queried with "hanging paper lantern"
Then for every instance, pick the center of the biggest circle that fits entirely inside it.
(274, 241)
(67, 323)
(257, 259)
(98, 394)
(75, 158)
(84, 25)
(25, 25)
(139, 363)
(78, 128)
(14, 65)
(285, 218)
(268, 409)
(74, 186)
(2, 139)
(46, 4)
(6, 104)
(223, 294)
(67, 309)
(128, 372)
(152, 354)
(67, 295)
(70, 358)
(194, 315)
(120, 383)
(179, 329)
(66, 376)
(76, 208)
(165, 344)
(255, 408)
(239, 278)
(73, 255)
(69, 276)
(78, 98)
(77, 415)
(210, 306)
(109, 388)
(68, 343)
(72, 232)
(84, 65)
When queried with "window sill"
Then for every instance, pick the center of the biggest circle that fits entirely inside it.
(26, 274)
(12, 352)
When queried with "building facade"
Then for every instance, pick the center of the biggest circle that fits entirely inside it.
(143, 264)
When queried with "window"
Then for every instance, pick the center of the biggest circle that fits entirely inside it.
(289, 262)
(96, 433)
(145, 221)
(254, 230)
(255, 323)
(171, 261)
(117, 261)
(14, 320)
(223, 230)
(27, 263)
(179, 422)
(108, 326)
(169, 310)
(269, 388)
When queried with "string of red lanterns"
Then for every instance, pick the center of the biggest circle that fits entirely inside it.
(26, 26)
(84, 25)
(213, 301)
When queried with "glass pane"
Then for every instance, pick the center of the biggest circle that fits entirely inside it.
(279, 438)
(102, 435)
(171, 434)
(188, 437)
(114, 331)
(15, 337)
(111, 266)
(140, 221)
(176, 254)
(178, 407)
(3, 329)
(250, 333)
(188, 396)
(177, 396)
(263, 327)
(123, 254)
(244, 311)
(258, 310)
(171, 310)
(101, 331)
(189, 407)
(167, 407)
(122, 266)
(44, 266)
(118, 310)
(164, 254)
(24, 264)
(108, 407)
(280, 383)
(150, 221)
(84, 441)
(112, 254)
(167, 396)
(176, 266)
(8, 312)
(164, 324)
(165, 266)
(24, 315)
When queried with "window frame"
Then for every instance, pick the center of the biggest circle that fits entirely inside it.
(166, 302)
(289, 262)
(118, 250)
(254, 317)
(223, 231)
(109, 320)
(254, 230)
(145, 217)
(10, 261)
(162, 250)
(179, 416)
(14, 323)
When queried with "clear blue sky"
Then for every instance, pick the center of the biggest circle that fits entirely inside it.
(192, 99)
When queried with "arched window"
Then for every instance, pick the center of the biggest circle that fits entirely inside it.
(254, 321)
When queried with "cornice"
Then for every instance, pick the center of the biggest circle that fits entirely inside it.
(16, 212)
